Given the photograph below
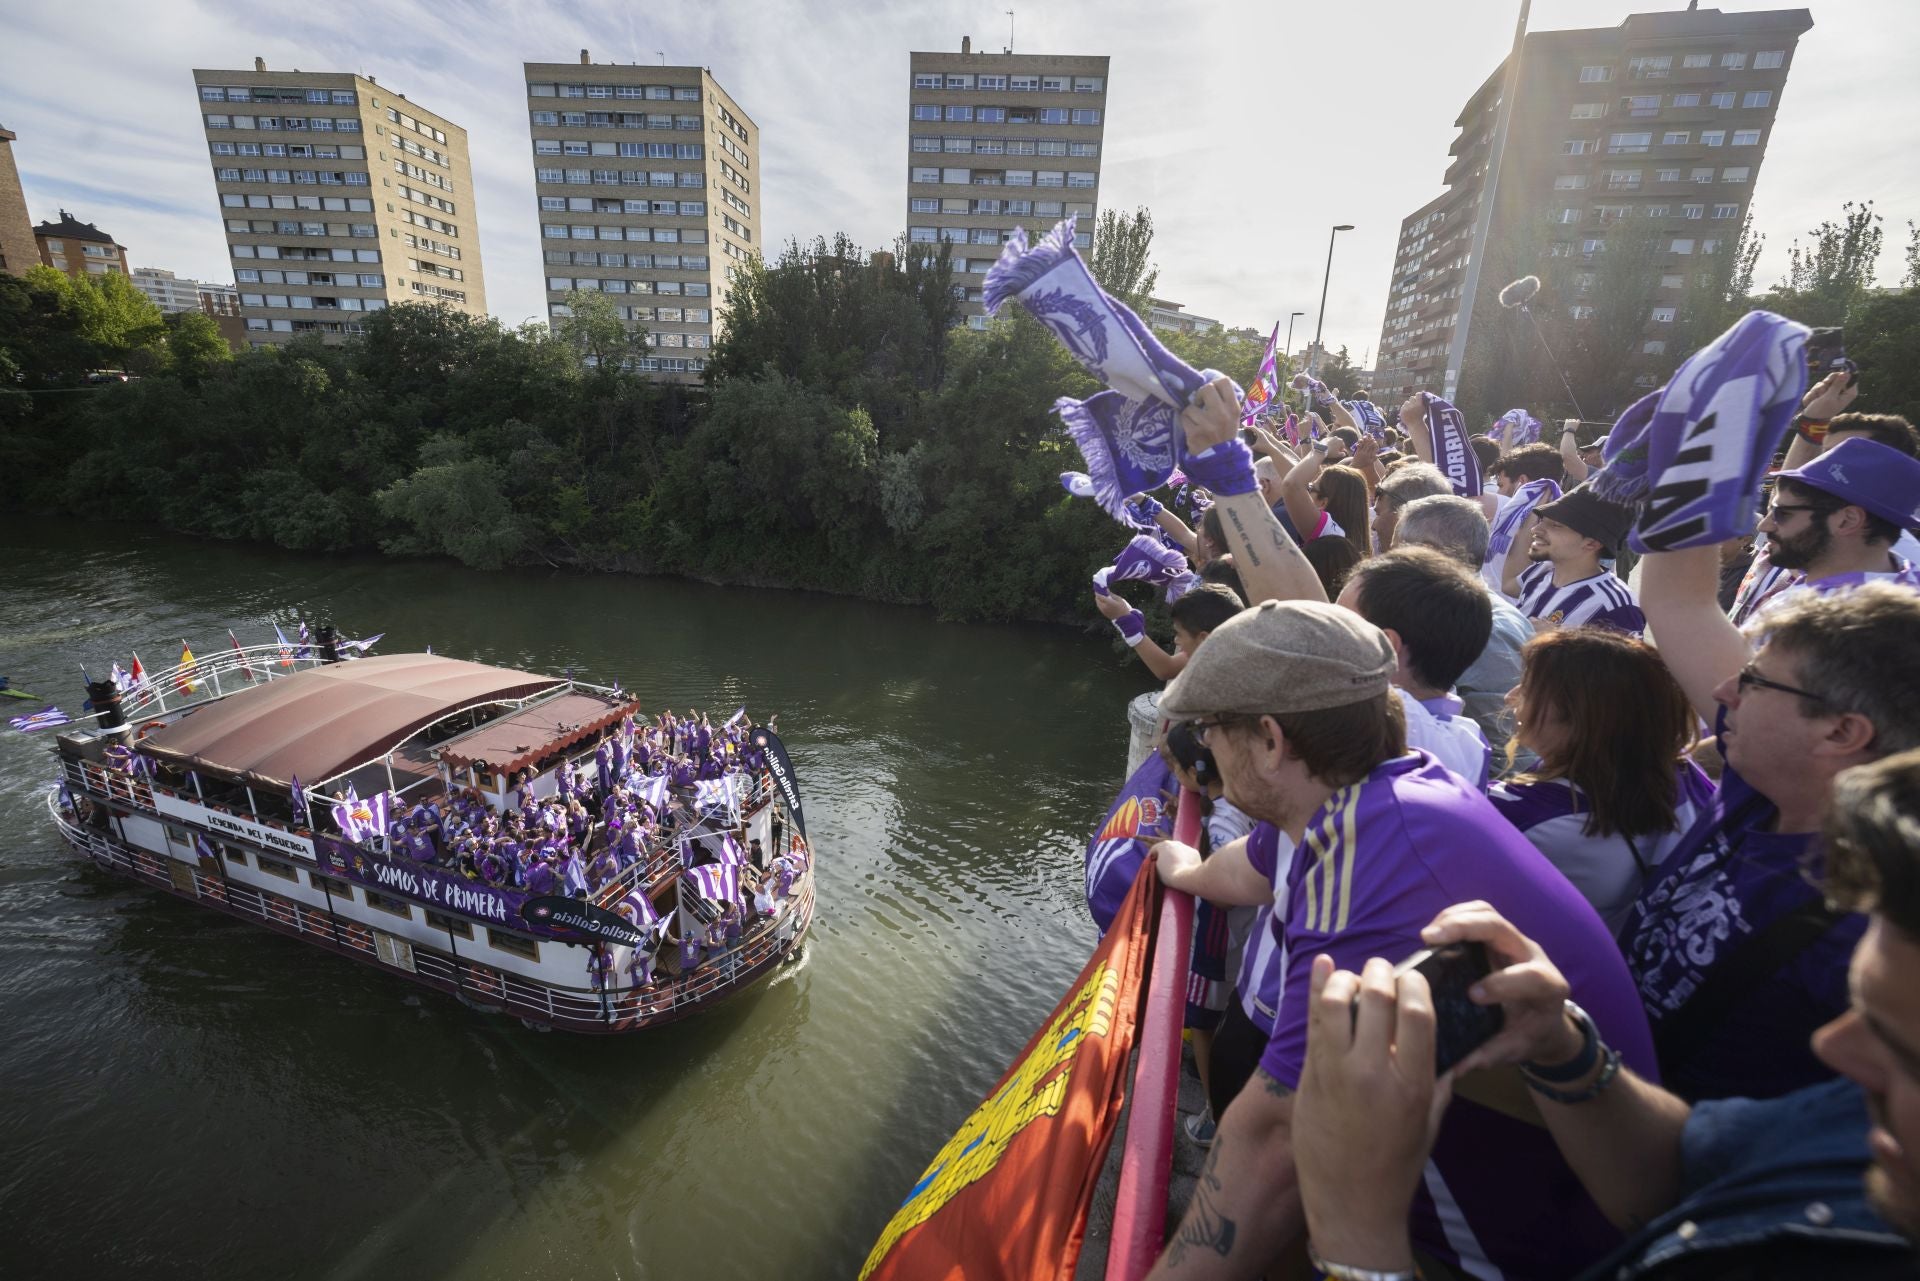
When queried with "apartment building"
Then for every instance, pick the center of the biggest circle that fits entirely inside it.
(1665, 117)
(170, 293)
(18, 250)
(79, 248)
(648, 188)
(998, 141)
(339, 197)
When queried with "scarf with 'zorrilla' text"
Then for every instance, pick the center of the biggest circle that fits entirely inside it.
(1452, 452)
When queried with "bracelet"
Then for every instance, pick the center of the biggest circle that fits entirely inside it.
(1583, 1060)
(1224, 469)
(1346, 1272)
(1813, 429)
(1608, 1071)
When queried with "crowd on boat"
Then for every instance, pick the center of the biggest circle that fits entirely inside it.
(1651, 742)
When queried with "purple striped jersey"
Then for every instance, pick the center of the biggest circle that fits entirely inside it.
(1788, 584)
(1602, 600)
(1378, 862)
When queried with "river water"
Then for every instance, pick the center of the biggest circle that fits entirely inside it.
(185, 1095)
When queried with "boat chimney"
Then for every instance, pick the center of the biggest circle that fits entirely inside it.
(105, 697)
(329, 644)
(585, 61)
(259, 64)
(966, 44)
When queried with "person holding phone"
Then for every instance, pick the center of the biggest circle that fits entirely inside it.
(1739, 1188)
(1295, 701)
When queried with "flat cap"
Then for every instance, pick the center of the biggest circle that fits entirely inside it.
(1283, 656)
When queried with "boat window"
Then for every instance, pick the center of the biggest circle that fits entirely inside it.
(338, 889)
(452, 925)
(238, 857)
(513, 943)
(385, 904)
(273, 868)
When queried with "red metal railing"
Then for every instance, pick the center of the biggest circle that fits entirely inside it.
(1146, 1162)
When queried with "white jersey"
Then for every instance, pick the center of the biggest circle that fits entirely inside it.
(1600, 600)
(1437, 726)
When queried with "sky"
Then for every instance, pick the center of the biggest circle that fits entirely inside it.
(1248, 127)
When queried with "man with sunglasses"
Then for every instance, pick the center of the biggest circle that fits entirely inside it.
(1735, 953)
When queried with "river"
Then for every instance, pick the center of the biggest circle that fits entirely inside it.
(186, 1095)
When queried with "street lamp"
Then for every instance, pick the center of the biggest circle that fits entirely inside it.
(1314, 355)
(1287, 351)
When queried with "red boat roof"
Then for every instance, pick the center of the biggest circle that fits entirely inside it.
(316, 723)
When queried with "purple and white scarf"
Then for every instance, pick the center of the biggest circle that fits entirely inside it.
(1146, 559)
(1368, 415)
(1692, 455)
(1322, 397)
(1512, 516)
(1526, 428)
(1451, 451)
(1130, 435)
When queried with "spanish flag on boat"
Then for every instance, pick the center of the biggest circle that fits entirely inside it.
(1007, 1196)
(185, 679)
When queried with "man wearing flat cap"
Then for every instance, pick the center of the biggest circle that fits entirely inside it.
(1295, 701)
(1566, 585)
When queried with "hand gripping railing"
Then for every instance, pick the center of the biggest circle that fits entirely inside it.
(1146, 1162)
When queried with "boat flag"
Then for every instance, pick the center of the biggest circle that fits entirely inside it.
(654, 791)
(716, 882)
(184, 680)
(638, 908)
(736, 718)
(710, 794)
(121, 681)
(1266, 384)
(44, 719)
(574, 874)
(730, 851)
(1007, 1196)
(362, 820)
(137, 675)
(306, 641)
(359, 648)
(246, 667)
(286, 648)
(299, 796)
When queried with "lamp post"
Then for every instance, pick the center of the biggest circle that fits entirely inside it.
(1313, 356)
(1290, 319)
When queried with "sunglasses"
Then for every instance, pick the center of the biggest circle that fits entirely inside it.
(1750, 680)
(1779, 511)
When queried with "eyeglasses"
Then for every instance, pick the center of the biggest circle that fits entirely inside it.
(1203, 727)
(1779, 511)
(1750, 679)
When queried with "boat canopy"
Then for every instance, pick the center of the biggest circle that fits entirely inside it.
(516, 740)
(317, 723)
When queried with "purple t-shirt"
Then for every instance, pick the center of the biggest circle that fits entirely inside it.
(1264, 963)
(1728, 878)
(1379, 861)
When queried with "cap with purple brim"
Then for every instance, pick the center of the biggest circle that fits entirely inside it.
(1874, 477)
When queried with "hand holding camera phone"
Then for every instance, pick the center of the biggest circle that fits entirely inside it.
(1460, 1025)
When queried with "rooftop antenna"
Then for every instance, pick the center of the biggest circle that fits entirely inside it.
(1009, 31)
(663, 56)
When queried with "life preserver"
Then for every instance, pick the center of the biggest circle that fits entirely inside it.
(358, 936)
(148, 728)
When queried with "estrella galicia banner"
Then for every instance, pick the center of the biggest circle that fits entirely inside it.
(572, 916)
(769, 742)
(1006, 1199)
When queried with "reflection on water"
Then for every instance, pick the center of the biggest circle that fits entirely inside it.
(190, 1096)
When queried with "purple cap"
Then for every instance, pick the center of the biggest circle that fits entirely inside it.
(1869, 475)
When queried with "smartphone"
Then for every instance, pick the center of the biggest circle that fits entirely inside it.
(1249, 435)
(1827, 352)
(1460, 1026)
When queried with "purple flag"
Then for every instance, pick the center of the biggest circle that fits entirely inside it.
(716, 882)
(730, 851)
(298, 794)
(573, 875)
(1128, 434)
(710, 794)
(1266, 383)
(361, 821)
(638, 908)
(1140, 816)
(1693, 454)
(1526, 428)
(653, 791)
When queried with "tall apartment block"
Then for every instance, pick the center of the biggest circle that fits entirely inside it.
(648, 192)
(18, 250)
(339, 197)
(998, 141)
(1664, 117)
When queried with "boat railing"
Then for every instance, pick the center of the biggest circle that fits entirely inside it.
(203, 680)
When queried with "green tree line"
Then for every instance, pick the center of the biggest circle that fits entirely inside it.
(849, 438)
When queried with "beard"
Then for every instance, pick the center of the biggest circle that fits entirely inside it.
(1801, 550)
(1538, 552)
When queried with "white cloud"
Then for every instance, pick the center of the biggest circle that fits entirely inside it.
(1247, 127)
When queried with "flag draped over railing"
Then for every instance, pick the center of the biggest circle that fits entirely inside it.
(1007, 1196)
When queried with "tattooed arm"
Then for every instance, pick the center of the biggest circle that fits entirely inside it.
(1246, 1205)
(1271, 565)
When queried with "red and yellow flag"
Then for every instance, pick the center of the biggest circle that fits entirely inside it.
(1007, 1197)
(184, 680)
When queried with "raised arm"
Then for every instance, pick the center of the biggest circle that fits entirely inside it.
(1516, 559)
(1296, 490)
(1271, 565)
(1227, 877)
(1570, 452)
(1824, 401)
(1679, 595)
(1177, 530)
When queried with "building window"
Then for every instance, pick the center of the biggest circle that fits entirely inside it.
(1713, 137)
(1570, 182)
(513, 943)
(1768, 59)
(1676, 138)
(1083, 149)
(926, 80)
(1663, 315)
(921, 174)
(1666, 175)
(1683, 246)
(1721, 101)
(1086, 116)
(961, 176)
(1053, 115)
(1595, 75)
(993, 82)
(1737, 173)
(1644, 106)
(1758, 98)
(1629, 143)
(925, 111)
(1650, 68)
(960, 113)
(1693, 213)
(1589, 110)
(1746, 137)
(1694, 61)
(922, 235)
(1726, 211)
(1733, 62)
(1567, 216)
(1577, 147)
(923, 204)
(1654, 347)
(451, 924)
(273, 867)
(1702, 175)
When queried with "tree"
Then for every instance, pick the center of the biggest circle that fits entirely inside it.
(1912, 279)
(1827, 277)
(125, 327)
(452, 505)
(1122, 257)
(1618, 294)
(1218, 349)
(1338, 370)
(597, 334)
(1883, 333)
(194, 345)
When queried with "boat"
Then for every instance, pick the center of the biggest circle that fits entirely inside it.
(237, 782)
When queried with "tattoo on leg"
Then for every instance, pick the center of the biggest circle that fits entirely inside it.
(1204, 1224)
